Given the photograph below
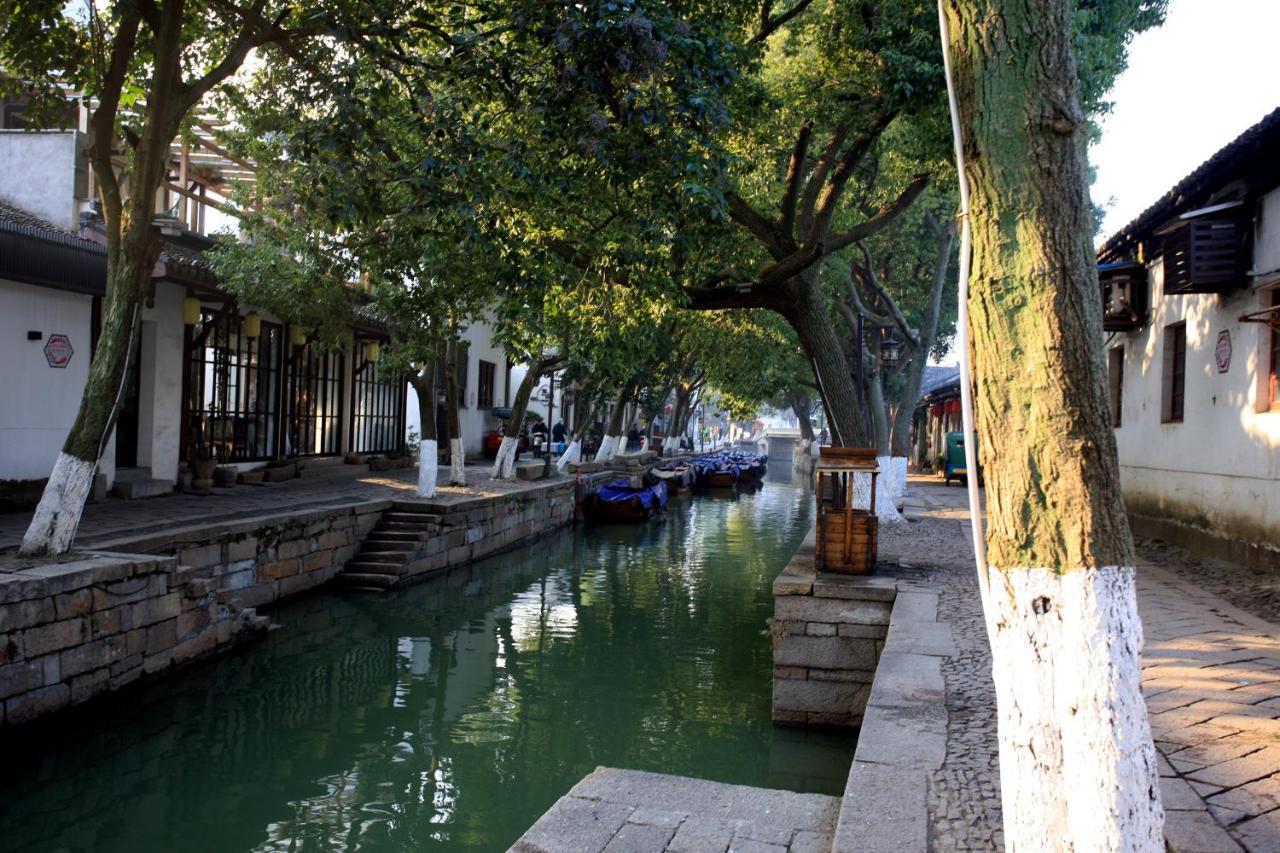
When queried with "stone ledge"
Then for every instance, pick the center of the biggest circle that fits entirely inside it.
(904, 734)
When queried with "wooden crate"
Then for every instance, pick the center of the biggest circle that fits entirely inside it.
(847, 542)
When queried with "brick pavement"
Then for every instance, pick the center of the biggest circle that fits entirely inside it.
(1211, 675)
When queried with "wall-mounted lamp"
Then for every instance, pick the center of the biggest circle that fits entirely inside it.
(252, 325)
(371, 351)
(297, 336)
(190, 311)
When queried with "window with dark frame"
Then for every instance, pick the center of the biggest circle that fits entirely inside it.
(1175, 372)
(233, 413)
(314, 399)
(377, 410)
(1115, 376)
(1274, 380)
(485, 384)
(464, 351)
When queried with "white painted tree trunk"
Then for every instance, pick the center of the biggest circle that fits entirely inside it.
(801, 459)
(457, 463)
(53, 526)
(428, 460)
(608, 447)
(897, 478)
(573, 453)
(885, 509)
(504, 464)
(1077, 766)
(671, 445)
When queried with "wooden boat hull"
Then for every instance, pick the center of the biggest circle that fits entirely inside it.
(633, 510)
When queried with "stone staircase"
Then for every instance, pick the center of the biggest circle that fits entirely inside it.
(390, 547)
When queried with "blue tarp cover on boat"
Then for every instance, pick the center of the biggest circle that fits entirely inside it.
(620, 491)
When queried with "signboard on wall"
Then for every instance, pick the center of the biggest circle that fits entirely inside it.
(1222, 352)
(58, 351)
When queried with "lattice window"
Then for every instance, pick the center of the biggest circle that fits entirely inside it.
(314, 398)
(233, 411)
(485, 384)
(1175, 372)
(377, 410)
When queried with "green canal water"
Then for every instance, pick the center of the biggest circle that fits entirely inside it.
(449, 715)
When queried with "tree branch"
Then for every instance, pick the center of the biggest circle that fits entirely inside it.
(741, 212)
(818, 178)
(831, 193)
(883, 217)
(795, 167)
(866, 273)
(770, 25)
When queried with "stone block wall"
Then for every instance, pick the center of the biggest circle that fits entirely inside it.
(480, 527)
(828, 634)
(254, 561)
(75, 629)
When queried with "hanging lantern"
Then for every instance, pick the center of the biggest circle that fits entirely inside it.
(890, 350)
(371, 350)
(252, 325)
(297, 336)
(190, 311)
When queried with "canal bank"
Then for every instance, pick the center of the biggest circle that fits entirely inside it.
(450, 714)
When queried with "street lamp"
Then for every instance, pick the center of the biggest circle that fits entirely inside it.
(890, 350)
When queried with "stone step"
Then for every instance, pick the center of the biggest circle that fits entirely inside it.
(135, 489)
(367, 580)
(402, 516)
(378, 544)
(395, 558)
(402, 527)
(361, 565)
(409, 537)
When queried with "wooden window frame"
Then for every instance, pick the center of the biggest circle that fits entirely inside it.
(1174, 380)
(1115, 384)
(486, 382)
(1273, 377)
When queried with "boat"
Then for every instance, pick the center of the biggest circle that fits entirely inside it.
(618, 500)
(677, 477)
(729, 468)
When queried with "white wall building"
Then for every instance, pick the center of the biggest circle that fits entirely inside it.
(209, 379)
(1191, 291)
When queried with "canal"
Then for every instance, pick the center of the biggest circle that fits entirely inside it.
(448, 715)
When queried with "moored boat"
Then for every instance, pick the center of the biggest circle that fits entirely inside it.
(618, 500)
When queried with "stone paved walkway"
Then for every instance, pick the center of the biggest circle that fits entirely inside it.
(630, 811)
(321, 486)
(1211, 675)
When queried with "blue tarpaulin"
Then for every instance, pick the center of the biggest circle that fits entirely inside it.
(620, 491)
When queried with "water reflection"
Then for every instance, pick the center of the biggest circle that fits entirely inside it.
(449, 715)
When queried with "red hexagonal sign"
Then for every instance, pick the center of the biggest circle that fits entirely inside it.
(1222, 352)
(58, 351)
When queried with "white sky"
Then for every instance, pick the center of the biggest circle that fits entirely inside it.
(1192, 86)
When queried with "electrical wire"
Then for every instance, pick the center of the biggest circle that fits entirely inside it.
(962, 330)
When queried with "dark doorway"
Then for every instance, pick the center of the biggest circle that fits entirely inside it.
(127, 419)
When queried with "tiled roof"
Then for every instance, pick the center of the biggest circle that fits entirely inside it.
(938, 377)
(1250, 153)
(15, 220)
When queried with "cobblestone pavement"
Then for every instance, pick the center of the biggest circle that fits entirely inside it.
(1211, 675)
(934, 546)
(318, 487)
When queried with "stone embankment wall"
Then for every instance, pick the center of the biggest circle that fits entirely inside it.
(828, 634)
(72, 630)
(881, 670)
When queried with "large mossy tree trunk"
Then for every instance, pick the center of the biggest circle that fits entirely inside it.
(801, 403)
(814, 326)
(423, 384)
(452, 393)
(1077, 765)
